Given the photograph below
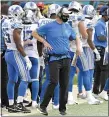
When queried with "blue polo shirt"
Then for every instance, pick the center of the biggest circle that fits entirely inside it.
(57, 35)
(100, 29)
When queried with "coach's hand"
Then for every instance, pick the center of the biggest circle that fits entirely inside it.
(28, 62)
(98, 57)
(47, 45)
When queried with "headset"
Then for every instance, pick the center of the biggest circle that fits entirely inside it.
(60, 12)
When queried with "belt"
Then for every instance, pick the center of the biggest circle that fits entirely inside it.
(99, 47)
(57, 55)
(9, 50)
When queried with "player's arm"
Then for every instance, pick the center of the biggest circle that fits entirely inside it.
(91, 44)
(82, 30)
(78, 50)
(89, 39)
(42, 40)
(17, 40)
(74, 36)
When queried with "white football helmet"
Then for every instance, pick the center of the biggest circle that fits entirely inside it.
(89, 11)
(15, 11)
(31, 11)
(53, 9)
(74, 5)
(30, 6)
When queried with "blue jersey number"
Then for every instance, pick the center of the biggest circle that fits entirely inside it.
(27, 35)
(6, 35)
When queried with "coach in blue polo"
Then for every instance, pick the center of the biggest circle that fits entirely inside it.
(100, 41)
(57, 33)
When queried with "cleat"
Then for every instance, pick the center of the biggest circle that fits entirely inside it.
(82, 96)
(22, 108)
(13, 109)
(56, 106)
(93, 101)
(104, 95)
(63, 113)
(43, 111)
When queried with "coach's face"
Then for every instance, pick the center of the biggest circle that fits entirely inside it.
(64, 17)
(106, 18)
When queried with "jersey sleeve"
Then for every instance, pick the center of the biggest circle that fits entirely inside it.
(81, 18)
(17, 25)
(90, 25)
(42, 30)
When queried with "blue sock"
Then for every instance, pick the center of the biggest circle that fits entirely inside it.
(86, 80)
(72, 73)
(22, 88)
(106, 88)
(56, 95)
(80, 81)
(35, 90)
(10, 89)
(91, 77)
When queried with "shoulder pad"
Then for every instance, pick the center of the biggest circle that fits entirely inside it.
(81, 18)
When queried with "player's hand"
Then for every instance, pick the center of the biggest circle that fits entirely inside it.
(98, 57)
(47, 45)
(78, 52)
(28, 62)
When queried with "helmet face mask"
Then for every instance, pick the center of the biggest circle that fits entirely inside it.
(16, 12)
(31, 11)
(31, 6)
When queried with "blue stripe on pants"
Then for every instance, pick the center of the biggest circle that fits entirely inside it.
(17, 66)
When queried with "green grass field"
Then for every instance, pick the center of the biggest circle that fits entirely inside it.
(81, 110)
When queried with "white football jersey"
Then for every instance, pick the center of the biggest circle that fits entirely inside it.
(8, 26)
(89, 24)
(74, 21)
(30, 48)
(44, 21)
